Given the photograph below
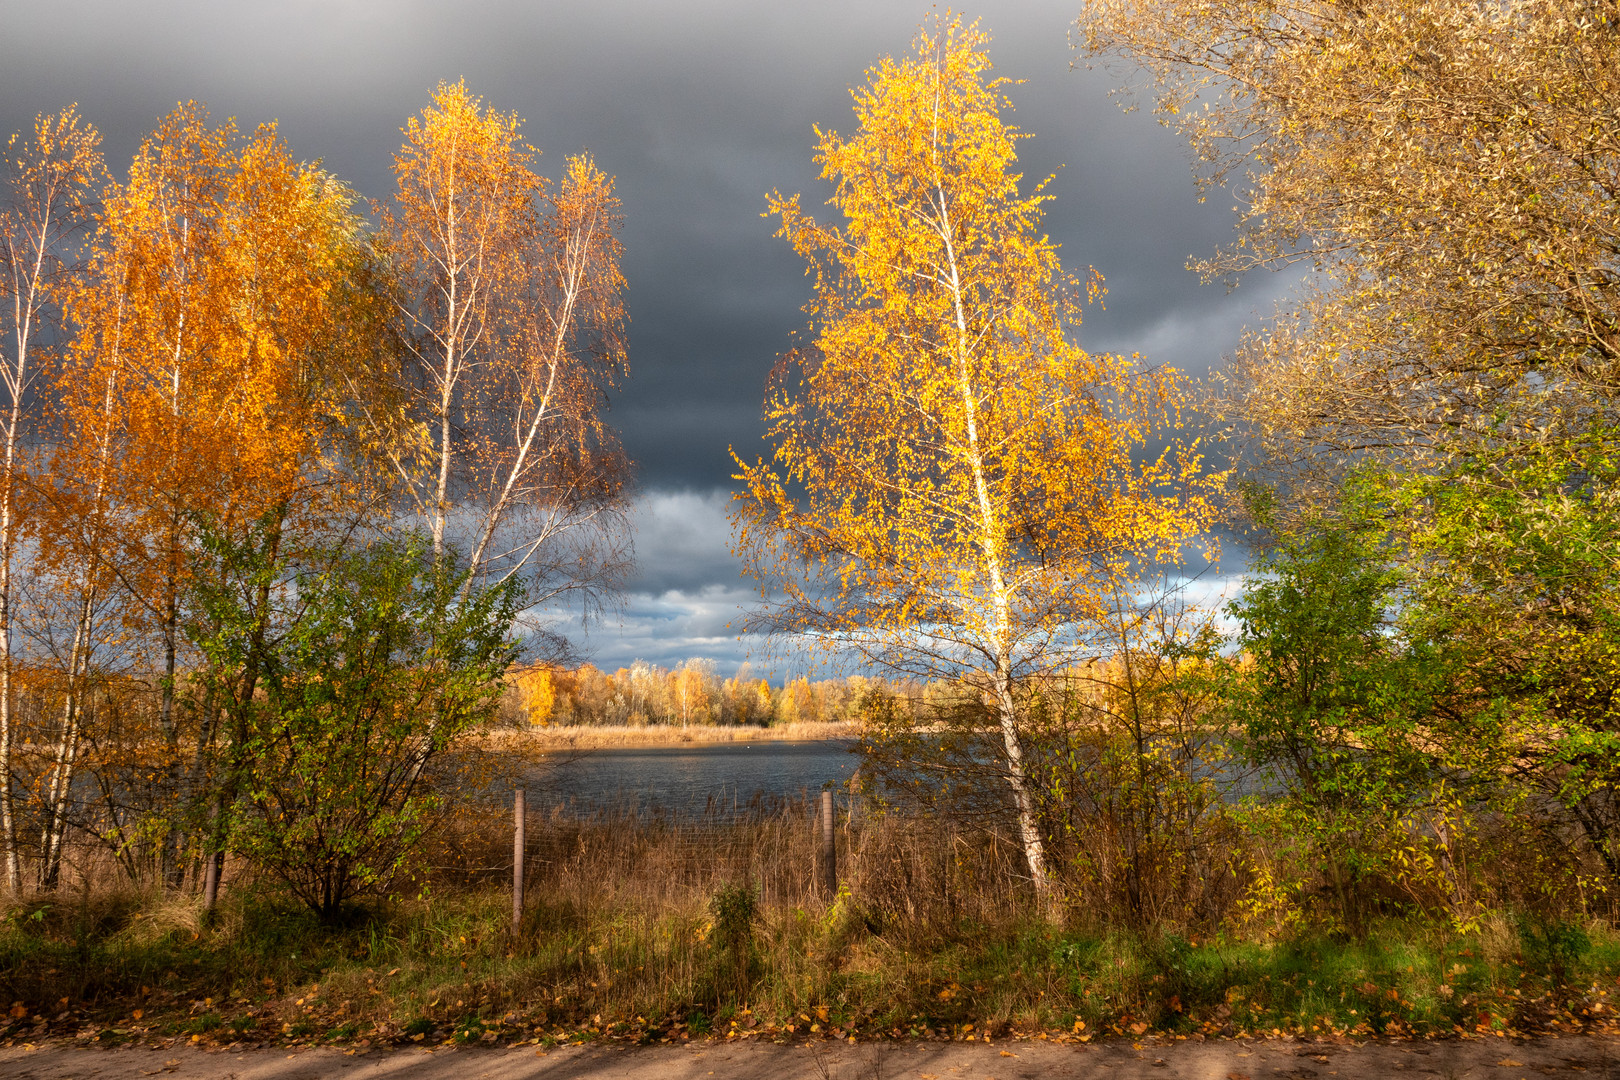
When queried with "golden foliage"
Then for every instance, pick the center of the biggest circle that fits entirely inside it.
(945, 455)
(952, 488)
(193, 385)
(538, 687)
(511, 307)
(1450, 168)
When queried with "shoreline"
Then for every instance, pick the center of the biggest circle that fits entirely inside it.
(596, 738)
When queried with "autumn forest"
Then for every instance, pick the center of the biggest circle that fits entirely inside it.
(307, 499)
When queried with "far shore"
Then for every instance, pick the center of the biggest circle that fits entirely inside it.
(602, 737)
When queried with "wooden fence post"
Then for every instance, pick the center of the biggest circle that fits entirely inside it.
(829, 852)
(519, 819)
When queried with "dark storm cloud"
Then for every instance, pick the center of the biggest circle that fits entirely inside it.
(699, 109)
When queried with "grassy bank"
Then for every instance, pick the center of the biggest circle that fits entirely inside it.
(598, 737)
(660, 931)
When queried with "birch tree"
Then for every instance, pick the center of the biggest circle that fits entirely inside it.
(511, 309)
(951, 491)
(199, 390)
(1451, 171)
(50, 184)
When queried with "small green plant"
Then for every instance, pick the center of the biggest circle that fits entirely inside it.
(422, 1025)
(1554, 949)
(202, 1025)
(26, 914)
(735, 907)
(470, 1028)
(386, 658)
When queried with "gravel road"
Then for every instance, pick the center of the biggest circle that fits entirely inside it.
(1570, 1056)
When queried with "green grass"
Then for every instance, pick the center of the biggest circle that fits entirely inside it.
(447, 968)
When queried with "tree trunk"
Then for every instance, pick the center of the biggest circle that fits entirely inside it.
(1023, 800)
(170, 866)
(8, 809)
(237, 762)
(213, 858)
(990, 542)
(59, 794)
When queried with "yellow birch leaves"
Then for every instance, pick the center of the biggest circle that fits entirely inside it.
(1450, 169)
(194, 381)
(952, 482)
(510, 304)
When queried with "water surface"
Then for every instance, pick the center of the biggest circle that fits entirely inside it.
(692, 778)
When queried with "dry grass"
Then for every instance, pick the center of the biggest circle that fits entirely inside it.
(626, 934)
(558, 737)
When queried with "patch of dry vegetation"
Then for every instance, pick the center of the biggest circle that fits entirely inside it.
(672, 928)
(599, 737)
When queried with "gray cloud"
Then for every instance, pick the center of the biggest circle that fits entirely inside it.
(667, 628)
(685, 598)
(699, 108)
(683, 541)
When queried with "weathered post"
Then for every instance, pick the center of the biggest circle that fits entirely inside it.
(211, 862)
(829, 853)
(519, 818)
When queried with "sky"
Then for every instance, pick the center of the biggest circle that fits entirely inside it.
(699, 109)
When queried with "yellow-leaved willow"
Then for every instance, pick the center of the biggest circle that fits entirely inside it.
(1450, 171)
(956, 489)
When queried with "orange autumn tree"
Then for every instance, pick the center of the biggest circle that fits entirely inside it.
(202, 390)
(537, 689)
(952, 491)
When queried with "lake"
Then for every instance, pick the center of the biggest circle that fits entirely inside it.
(727, 779)
(692, 778)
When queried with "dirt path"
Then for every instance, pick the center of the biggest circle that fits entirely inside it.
(1570, 1056)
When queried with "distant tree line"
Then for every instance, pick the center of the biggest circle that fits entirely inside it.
(691, 694)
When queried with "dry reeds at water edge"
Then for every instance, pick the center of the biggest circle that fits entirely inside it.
(541, 739)
(913, 870)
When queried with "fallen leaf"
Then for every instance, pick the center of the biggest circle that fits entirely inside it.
(1509, 1063)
